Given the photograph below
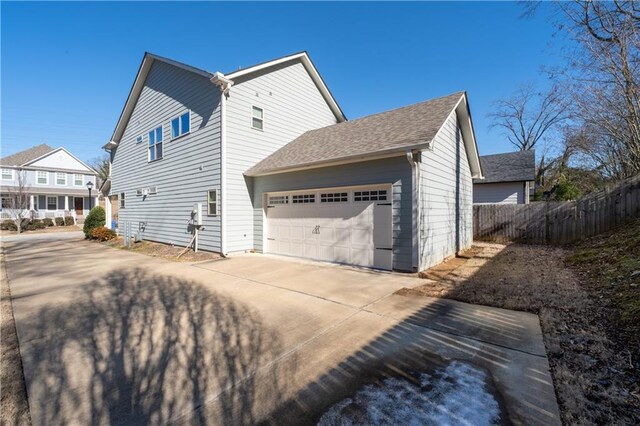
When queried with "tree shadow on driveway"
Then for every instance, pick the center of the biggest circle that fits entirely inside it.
(138, 348)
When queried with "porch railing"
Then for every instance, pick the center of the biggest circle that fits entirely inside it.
(39, 214)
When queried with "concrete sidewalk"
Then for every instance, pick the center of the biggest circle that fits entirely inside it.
(109, 336)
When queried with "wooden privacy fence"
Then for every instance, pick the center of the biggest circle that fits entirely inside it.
(558, 222)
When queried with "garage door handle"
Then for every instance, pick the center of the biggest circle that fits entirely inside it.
(383, 204)
(271, 239)
(384, 248)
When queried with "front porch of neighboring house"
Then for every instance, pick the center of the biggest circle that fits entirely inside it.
(53, 205)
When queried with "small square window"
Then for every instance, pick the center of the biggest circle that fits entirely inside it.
(181, 125)
(303, 198)
(278, 199)
(139, 139)
(61, 178)
(122, 200)
(212, 202)
(42, 178)
(7, 174)
(334, 197)
(257, 118)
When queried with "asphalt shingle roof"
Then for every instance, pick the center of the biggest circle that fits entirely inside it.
(378, 133)
(19, 158)
(509, 167)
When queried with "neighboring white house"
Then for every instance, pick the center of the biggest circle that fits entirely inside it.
(55, 180)
(508, 178)
(269, 155)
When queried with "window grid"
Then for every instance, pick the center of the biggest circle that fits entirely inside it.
(375, 195)
(7, 174)
(78, 180)
(122, 200)
(52, 203)
(303, 198)
(155, 144)
(334, 197)
(42, 178)
(61, 178)
(6, 202)
(279, 199)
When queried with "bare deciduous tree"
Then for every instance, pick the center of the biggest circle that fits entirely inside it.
(101, 166)
(603, 79)
(527, 116)
(19, 200)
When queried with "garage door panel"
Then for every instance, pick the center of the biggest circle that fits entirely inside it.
(344, 232)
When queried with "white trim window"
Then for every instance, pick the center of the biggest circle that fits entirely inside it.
(122, 200)
(52, 202)
(78, 180)
(7, 174)
(155, 144)
(61, 179)
(334, 197)
(278, 199)
(42, 177)
(373, 195)
(181, 125)
(7, 202)
(303, 198)
(257, 118)
(212, 202)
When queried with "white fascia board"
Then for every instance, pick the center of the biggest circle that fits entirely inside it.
(313, 73)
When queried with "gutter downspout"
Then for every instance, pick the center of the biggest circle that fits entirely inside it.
(415, 212)
(225, 85)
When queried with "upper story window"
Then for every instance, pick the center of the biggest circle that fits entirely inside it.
(61, 178)
(42, 178)
(155, 144)
(78, 180)
(7, 174)
(181, 125)
(257, 118)
(139, 139)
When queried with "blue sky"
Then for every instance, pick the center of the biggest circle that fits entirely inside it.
(67, 67)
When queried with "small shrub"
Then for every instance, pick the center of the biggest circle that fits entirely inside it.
(8, 225)
(102, 233)
(59, 221)
(34, 224)
(94, 219)
(68, 221)
(47, 221)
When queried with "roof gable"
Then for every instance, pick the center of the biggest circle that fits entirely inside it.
(508, 167)
(23, 157)
(59, 159)
(395, 131)
(149, 58)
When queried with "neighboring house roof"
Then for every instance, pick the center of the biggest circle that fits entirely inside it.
(391, 132)
(26, 156)
(509, 167)
(149, 58)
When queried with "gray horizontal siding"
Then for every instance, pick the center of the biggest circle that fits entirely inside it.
(498, 193)
(190, 165)
(444, 176)
(391, 170)
(292, 105)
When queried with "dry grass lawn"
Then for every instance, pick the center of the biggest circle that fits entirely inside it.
(596, 376)
(165, 251)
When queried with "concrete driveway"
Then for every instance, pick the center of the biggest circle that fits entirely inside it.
(108, 336)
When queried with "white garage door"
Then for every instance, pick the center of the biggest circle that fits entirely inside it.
(344, 225)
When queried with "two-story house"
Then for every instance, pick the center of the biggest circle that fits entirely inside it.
(55, 180)
(277, 168)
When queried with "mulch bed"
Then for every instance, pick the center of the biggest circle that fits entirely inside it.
(164, 251)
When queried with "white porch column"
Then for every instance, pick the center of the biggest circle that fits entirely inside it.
(96, 202)
(66, 202)
(31, 202)
(107, 211)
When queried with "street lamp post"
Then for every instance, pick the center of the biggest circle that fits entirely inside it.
(89, 187)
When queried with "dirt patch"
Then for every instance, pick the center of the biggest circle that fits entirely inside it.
(165, 251)
(14, 407)
(594, 376)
